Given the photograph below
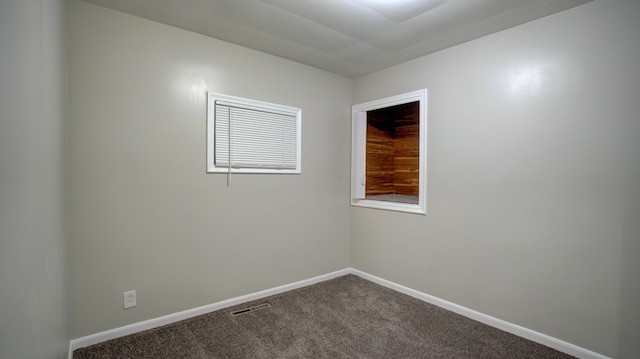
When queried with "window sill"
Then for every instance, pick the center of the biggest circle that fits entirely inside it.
(235, 171)
(398, 198)
(389, 206)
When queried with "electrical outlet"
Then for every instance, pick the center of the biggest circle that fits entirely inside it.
(129, 299)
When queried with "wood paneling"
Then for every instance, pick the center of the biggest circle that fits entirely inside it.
(393, 150)
(380, 169)
(407, 151)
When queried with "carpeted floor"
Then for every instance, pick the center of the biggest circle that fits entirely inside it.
(346, 317)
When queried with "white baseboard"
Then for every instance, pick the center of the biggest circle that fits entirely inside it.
(508, 327)
(190, 313)
(537, 337)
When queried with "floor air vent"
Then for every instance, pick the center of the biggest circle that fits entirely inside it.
(250, 309)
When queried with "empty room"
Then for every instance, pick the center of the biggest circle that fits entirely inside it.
(475, 158)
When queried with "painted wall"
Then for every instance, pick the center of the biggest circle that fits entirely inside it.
(33, 283)
(533, 190)
(144, 215)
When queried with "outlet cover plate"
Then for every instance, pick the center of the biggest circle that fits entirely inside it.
(129, 299)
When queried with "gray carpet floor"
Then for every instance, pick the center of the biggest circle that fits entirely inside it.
(346, 317)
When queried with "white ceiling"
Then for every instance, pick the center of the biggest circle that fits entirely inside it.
(348, 37)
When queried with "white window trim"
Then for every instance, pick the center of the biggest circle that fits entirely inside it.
(358, 153)
(259, 105)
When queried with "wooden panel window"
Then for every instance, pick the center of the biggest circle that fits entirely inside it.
(389, 153)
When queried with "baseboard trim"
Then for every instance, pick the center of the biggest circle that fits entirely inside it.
(190, 313)
(508, 327)
(529, 334)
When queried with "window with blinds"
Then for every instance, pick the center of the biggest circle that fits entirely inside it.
(248, 136)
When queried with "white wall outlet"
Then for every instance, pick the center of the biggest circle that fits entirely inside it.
(129, 299)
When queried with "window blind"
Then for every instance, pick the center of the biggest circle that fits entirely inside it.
(254, 137)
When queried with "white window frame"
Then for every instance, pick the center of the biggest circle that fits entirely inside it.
(214, 98)
(358, 153)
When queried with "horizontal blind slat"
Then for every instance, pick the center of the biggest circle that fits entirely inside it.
(259, 138)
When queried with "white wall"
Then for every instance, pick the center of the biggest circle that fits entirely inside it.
(534, 172)
(33, 317)
(144, 215)
(533, 197)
